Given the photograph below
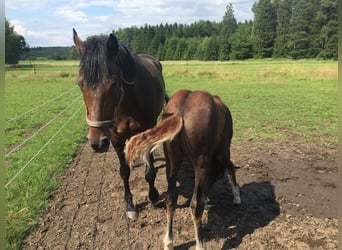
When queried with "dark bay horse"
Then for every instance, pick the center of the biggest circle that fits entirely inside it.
(123, 93)
(195, 125)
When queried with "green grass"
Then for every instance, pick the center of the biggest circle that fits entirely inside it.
(28, 193)
(266, 98)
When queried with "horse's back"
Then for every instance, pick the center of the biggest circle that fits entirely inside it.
(150, 86)
(151, 61)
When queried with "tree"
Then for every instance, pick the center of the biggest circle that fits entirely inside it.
(284, 12)
(328, 21)
(241, 43)
(202, 48)
(304, 38)
(229, 24)
(265, 24)
(213, 47)
(180, 49)
(228, 27)
(190, 53)
(15, 45)
(171, 46)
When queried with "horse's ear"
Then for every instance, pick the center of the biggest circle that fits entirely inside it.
(78, 43)
(112, 45)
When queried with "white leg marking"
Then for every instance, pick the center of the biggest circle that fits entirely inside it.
(235, 191)
(133, 215)
(168, 242)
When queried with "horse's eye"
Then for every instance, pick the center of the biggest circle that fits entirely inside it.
(80, 84)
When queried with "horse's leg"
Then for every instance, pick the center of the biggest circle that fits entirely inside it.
(174, 159)
(150, 176)
(125, 173)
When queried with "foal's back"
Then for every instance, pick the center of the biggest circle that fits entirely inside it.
(207, 123)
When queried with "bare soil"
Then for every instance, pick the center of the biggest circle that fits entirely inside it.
(288, 191)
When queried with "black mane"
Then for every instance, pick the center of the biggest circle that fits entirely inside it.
(94, 61)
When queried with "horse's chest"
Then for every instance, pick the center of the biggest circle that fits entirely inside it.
(127, 127)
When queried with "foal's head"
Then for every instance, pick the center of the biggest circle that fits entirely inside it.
(100, 82)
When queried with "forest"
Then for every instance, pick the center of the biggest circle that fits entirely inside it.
(281, 29)
(293, 29)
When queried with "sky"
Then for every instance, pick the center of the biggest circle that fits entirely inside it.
(50, 22)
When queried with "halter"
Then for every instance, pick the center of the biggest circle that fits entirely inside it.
(99, 124)
(108, 123)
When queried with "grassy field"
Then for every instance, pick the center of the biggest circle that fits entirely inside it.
(45, 117)
(268, 97)
(44, 125)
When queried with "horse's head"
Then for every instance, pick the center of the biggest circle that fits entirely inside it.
(100, 82)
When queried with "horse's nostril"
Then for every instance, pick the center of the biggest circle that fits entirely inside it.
(104, 144)
(95, 146)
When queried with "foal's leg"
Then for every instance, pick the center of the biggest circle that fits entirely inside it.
(174, 159)
(150, 176)
(223, 157)
(198, 198)
(233, 182)
(125, 173)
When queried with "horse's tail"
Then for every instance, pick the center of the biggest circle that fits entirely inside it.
(142, 144)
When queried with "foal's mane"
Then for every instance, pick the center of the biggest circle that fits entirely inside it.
(96, 57)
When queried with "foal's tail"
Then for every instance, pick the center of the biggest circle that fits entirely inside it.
(142, 144)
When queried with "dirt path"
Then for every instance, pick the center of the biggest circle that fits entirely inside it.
(288, 192)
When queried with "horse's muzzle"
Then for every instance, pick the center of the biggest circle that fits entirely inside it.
(101, 146)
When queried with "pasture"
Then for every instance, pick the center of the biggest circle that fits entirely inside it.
(272, 102)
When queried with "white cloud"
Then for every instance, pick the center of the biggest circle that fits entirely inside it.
(70, 15)
(50, 22)
(26, 4)
(84, 3)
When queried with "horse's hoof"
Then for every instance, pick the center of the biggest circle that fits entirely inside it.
(132, 214)
(153, 196)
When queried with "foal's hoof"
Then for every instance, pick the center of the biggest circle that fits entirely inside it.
(132, 214)
(237, 200)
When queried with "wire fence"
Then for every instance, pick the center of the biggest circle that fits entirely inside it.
(40, 105)
(58, 117)
(41, 128)
(42, 148)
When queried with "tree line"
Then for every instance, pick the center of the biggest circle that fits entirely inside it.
(280, 28)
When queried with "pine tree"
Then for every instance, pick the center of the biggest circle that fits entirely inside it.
(284, 12)
(304, 38)
(265, 24)
(180, 50)
(171, 45)
(202, 48)
(213, 47)
(328, 36)
(241, 42)
(228, 27)
(190, 53)
(229, 24)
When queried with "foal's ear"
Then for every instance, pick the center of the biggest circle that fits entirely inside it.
(112, 45)
(78, 43)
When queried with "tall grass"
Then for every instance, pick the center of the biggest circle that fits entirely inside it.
(267, 99)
